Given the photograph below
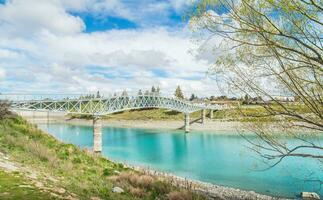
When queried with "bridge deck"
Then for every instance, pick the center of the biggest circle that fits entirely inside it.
(105, 106)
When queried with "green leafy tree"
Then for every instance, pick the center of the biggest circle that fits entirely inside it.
(98, 94)
(193, 97)
(270, 47)
(124, 93)
(153, 89)
(246, 99)
(178, 93)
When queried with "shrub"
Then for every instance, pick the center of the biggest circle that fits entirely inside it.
(180, 195)
(145, 181)
(106, 172)
(41, 152)
(63, 153)
(120, 166)
(10, 141)
(77, 160)
(159, 188)
(133, 179)
(4, 109)
(124, 176)
(137, 192)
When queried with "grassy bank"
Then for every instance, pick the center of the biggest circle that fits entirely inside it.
(14, 186)
(252, 113)
(65, 171)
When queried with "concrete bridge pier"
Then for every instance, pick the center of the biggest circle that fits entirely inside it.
(187, 123)
(203, 113)
(47, 117)
(97, 135)
(211, 114)
(33, 116)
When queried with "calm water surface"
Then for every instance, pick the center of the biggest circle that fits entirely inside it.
(220, 159)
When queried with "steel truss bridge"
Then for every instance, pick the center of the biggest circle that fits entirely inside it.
(107, 105)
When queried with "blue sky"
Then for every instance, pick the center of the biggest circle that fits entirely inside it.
(76, 46)
(94, 23)
(169, 17)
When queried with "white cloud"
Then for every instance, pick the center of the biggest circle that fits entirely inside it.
(52, 54)
(76, 5)
(2, 73)
(6, 54)
(125, 59)
(20, 17)
(179, 5)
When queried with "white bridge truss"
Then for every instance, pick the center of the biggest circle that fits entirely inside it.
(109, 105)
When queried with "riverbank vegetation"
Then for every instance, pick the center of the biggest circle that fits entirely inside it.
(44, 167)
(248, 113)
(15, 186)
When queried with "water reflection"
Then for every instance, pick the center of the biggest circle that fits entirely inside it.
(218, 159)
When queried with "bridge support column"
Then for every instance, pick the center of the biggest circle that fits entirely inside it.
(97, 135)
(47, 117)
(33, 116)
(187, 123)
(211, 114)
(203, 112)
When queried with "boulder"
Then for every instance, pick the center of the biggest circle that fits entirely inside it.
(117, 190)
(310, 196)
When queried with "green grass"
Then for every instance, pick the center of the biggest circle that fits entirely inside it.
(151, 114)
(144, 114)
(78, 171)
(13, 186)
(256, 113)
(243, 114)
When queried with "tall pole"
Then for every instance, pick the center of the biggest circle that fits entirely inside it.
(97, 135)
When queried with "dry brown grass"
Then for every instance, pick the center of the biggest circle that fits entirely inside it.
(137, 192)
(124, 176)
(41, 151)
(180, 195)
(145, 181)
(133, 179)
(113, 178)
(136, 180)
(36, 148)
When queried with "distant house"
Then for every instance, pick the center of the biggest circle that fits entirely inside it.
(284, 98)
(226, 102)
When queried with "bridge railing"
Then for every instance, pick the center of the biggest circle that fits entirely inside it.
(59, 97)
(17, 98)
(37, 97)
(43, 97)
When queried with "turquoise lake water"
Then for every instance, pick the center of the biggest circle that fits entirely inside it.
(219, 159)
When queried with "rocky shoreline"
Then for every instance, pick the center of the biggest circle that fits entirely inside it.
(212, 191)
(215, 126)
